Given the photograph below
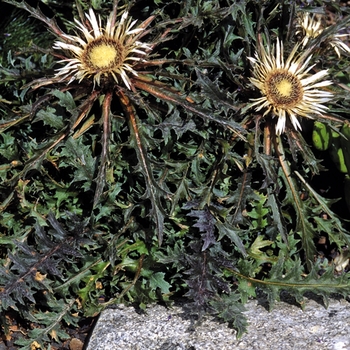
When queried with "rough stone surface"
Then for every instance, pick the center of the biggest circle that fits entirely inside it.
(286, 327)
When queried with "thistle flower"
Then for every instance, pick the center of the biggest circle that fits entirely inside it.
(308, 26)
(311, 27)
(102, 52)
(287, 87)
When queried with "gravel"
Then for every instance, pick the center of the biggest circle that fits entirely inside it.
(286, 327)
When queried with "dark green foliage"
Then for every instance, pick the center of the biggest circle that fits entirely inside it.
(171, 189)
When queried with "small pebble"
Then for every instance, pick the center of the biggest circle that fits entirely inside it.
(76, 344)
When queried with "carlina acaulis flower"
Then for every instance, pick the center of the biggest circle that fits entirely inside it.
(109, 52)
(311, 27)
(287, 87)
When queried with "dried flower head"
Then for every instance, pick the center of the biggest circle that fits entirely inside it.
(311, 27)
(102, 52)
(287, 87)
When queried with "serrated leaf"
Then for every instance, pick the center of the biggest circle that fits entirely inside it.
(206, 225)
(258, 255)
(241, 196)
(288, 275)
(49, 117)
(258, 213)
(230, 309)
(332, 225)
(65, 99)
(157, 281)
(225, 229)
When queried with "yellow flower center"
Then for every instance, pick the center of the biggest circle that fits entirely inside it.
(283, 89)
(103, 55)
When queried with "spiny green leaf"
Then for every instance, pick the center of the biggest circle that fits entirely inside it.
(259, 213)
(157, 281)
(225, 229)
(49, 117)
(255, 252)
(230, 309)
(206, 224)
(66, 100)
